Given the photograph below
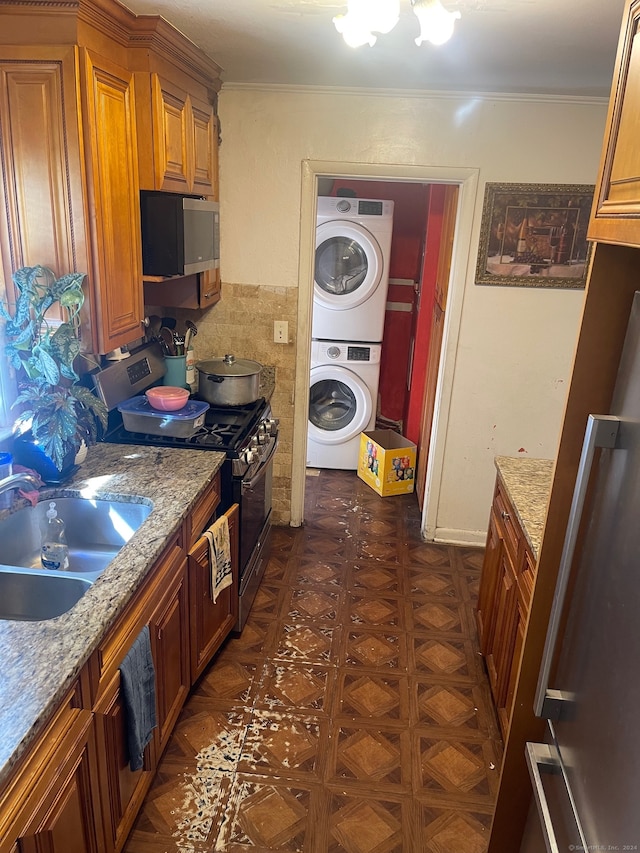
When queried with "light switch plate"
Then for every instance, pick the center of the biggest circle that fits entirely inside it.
(281, 331)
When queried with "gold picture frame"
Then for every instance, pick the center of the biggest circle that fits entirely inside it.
(535, 235)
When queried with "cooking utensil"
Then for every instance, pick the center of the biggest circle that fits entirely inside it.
(192, 331)
(153, 324)
(166, 339)
(179, 344)
(229, 381)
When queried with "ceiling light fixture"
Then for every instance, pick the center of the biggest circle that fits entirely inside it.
(366, 17)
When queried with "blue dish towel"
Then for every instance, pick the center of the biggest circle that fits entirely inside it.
(138, 679)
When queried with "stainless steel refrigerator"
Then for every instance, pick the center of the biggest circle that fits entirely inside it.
(586, 776)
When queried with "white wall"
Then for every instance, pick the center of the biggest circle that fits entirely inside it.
(516, 344)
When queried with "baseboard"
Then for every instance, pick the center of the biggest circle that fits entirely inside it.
(452, 536)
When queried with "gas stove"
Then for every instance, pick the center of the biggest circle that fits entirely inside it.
(247, 435)
(242, 432)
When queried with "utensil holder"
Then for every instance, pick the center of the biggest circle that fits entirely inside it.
(176, 371)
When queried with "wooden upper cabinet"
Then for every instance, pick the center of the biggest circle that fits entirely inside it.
(70, 181)
(41, 187)
(183, 140)
(114, 199)
(205, 148)
(171, 113)
(615, 216)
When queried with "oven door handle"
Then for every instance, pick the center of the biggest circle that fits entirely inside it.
(249, 484)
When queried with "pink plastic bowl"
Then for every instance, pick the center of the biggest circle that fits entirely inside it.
(167, 398)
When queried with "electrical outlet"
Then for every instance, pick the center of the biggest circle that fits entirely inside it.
(281, 332)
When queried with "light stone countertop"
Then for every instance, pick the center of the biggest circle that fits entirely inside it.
(39, 660)
(528, 485)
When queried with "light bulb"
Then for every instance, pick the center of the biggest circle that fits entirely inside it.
(364, 17)
(353, 31)
(436, 23)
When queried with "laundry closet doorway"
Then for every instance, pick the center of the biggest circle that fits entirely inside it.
(429, 261)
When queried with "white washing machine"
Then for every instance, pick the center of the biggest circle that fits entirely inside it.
(351, 272)
(342, 401)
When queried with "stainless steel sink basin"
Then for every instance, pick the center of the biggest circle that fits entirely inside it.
(32, 596)
(95, 529)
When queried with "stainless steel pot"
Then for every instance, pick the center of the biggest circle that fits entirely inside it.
(229, 381)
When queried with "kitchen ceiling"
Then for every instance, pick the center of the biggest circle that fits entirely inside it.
(554, 47)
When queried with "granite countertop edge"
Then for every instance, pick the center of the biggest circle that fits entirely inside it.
(528, 485)
(40, 660)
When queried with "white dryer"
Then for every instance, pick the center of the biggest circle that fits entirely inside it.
(342, 401)
(351, 271)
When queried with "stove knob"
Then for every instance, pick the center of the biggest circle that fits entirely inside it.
(248, 456)
(262, 434)
(254, 442)
(271, 425)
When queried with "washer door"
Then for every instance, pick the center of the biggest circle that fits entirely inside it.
(348, 265)
(340, 405)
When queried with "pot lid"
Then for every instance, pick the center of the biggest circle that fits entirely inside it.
(229, 366)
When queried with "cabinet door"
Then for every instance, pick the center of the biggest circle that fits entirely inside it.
(169, 628)
(616, 210)
(205, 148)
(40, 175)
(210, 288)
(487, 603)
(122, 789)
(211, 623)
(171, 111)
(500, 652)
(66, 821)
(113, 190)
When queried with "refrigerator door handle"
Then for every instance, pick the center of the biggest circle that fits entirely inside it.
(542, 755)
(601, 431)
(545, 758)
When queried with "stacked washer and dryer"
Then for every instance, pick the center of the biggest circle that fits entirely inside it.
(351, 279)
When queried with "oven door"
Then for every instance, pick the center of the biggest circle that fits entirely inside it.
(253, 493)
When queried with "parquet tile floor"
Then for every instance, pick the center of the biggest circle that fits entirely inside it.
(353, 714)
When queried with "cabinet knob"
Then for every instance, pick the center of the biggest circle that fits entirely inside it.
(505, 515)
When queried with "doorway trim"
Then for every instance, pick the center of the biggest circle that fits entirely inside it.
(467, 180)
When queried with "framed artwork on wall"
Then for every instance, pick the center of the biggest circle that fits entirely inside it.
(535, 235)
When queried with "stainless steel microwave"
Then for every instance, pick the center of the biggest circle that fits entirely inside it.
(180, 233)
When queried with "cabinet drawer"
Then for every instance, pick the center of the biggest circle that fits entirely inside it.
(203, 512)
(507, 522)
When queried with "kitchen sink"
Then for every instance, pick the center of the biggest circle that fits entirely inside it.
(96, 529)
(31, 596)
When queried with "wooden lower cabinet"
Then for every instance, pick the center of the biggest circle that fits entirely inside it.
(169, 628)
(122, 789)
(75, 791)
(211, 622)
(163, 606)
(54, 806)
(508, 572)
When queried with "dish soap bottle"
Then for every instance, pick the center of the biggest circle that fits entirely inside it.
(55, 551)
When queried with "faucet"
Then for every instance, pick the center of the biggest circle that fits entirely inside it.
(19, 481)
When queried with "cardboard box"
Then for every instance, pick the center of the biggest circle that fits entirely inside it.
(387, 462)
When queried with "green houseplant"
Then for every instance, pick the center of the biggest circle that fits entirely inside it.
(62, 413)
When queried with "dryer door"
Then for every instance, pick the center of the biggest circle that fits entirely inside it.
(340, 405)
(348, 265)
